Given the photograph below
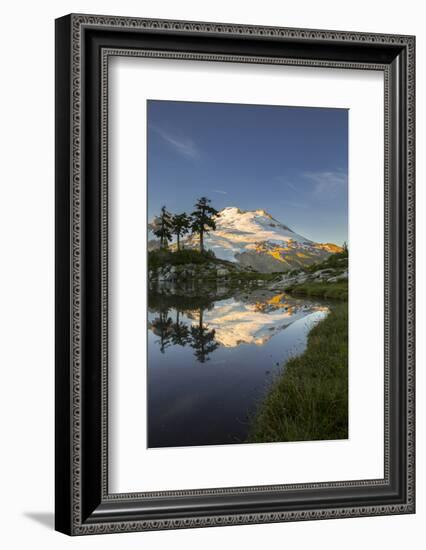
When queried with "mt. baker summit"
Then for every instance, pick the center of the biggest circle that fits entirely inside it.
(253, 238)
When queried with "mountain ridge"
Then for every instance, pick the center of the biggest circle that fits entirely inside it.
(255, 239)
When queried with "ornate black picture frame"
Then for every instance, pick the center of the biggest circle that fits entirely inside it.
(83, 45)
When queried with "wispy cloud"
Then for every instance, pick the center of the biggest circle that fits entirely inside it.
(183, 145)
(220, 191)
(327, 181)
(287, 183)
(292, 186)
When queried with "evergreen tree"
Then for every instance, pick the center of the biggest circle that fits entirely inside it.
(180, 226)
(203, 219)
(163, 227)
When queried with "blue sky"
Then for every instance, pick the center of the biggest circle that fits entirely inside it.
(290, 161)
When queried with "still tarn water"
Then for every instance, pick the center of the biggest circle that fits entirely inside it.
(210, 361)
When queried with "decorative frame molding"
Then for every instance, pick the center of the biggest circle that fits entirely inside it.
(84, 44)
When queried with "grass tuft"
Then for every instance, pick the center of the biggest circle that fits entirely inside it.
(309, 400)
(335, 291)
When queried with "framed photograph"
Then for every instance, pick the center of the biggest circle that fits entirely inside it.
(234, 274)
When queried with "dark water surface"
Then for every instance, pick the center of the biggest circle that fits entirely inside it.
(211, 360)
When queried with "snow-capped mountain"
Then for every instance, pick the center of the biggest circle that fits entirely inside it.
(255, 239)
(237, 323)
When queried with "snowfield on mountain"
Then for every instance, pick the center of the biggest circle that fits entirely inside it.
(256, 240)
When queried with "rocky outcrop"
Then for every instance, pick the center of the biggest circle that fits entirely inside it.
(343, 276)
(174, 273)
(259, 261)
(292, 278)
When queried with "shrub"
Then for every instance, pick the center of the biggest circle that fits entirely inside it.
(160, 258)
(337, 260)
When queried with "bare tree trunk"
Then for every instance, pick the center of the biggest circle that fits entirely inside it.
(202, 231)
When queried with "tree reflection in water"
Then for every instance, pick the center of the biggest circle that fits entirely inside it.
(162, 326)
(202, 340)
(199, 337)
(251, 318)
(180, 335)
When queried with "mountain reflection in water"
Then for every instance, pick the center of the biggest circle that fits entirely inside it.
(241, 341)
